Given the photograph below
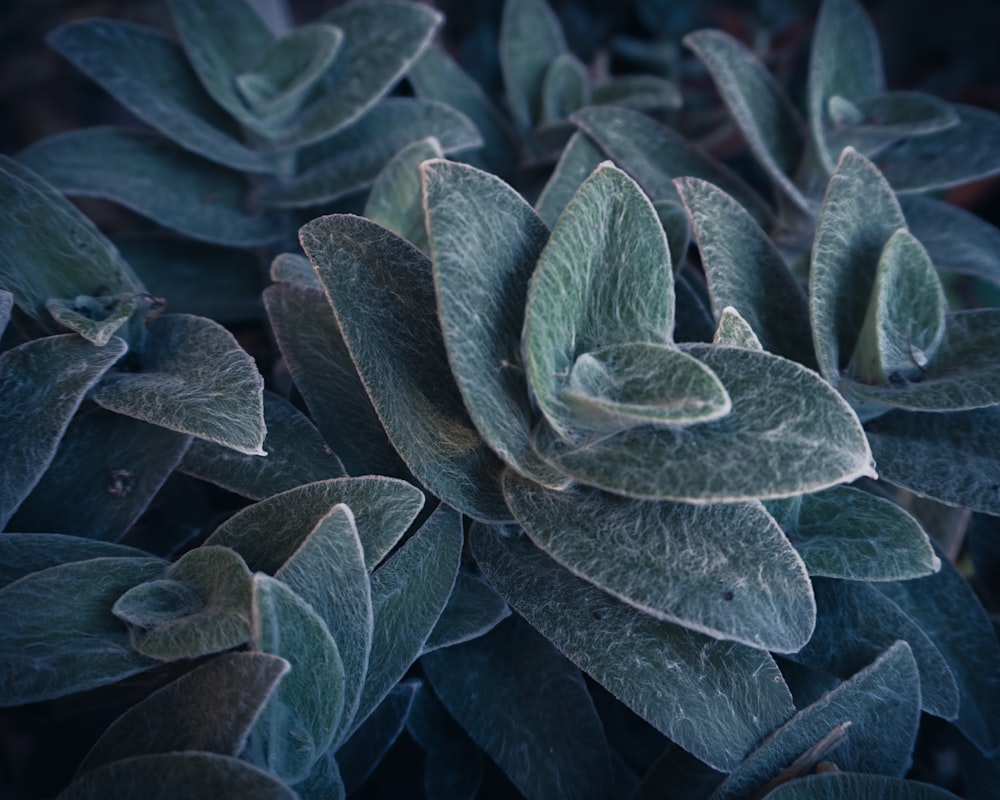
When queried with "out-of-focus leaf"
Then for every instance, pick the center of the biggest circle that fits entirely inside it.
(531, 38)
(565, 88)
(956, 240)
(473, 608)
(96, 319)
(833, 786)
(639, 92)
(578, 159)
(453, 768)
(294, 268)
(395, 201)
(323, 781)
(24, 553)
(677, 774)
(6, 304)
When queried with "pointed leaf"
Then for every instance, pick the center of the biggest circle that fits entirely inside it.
(862, 787)
(43, 382)
(578, 159)
(531, 38)
(382, 292)
(733, 330)
(565, 88)
(395, 201)
(96, 319)
(24, 553)
(701, 706)
(473, 608)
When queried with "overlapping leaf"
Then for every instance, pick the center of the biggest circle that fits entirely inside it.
(956, 239)
(24, 553)
(473, 608)
(531, 38)
(395, 200)
(863, 787)
(579, 158)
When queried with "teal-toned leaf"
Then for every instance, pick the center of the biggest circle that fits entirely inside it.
(314, 351)
(693, 320)
(43, 382)
(867, 724)
(855, 623)
(210, 709)
(453, 768)
(674, 220)
(105, 473)
(6, 304)
(639, 92)
(676, 561)
(268, 533)
(759, 106)
(531, 38)
(956, 240)
(149, 75)
(301, 717)
(654, 155)
(746, 271)
(296, 454)
(565, 88)
(395, 201)
(24, 553)
(294, 268)
(677, 774)
(930, 455)
(353, 159)
(863, 787)
(738, 457)
(328, 571)
(689, 686)
(845, 62)
(153, 177)
(323, 782)
(96, 319)
(200, 605)
(895, 114)
(859, 215)
(57, 632)
(164, 776)
(578, 159)
(485, 241)
(194, 378)
(528, 708)
(735, 331)
(382, 292)
(473, 608)
(409, 592)
(847, 533)
(949, 612)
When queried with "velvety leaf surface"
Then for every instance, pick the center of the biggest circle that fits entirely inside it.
(531, 38)
(737, 457)
(296, 454)
(881, 703)
(268, 533)
(956, 239)
(395, 200)
(105, 473)
(43, 382)
(689, 686)
(294, 268)
(323, 782)
(57, 632)
(165, 776)
(96, 319)
(861, 787)
(676, 561)
(194, 379)
(301, 717)
(640, 92)
(578, 159)
(149, 75)
(210, 709)
(859, 214)
(382, 292)
(409, 592)
(24, 553)
(565, 88)
(153, 177)
(734, 331)
(746, 271)
(473, 608)
(528, 708)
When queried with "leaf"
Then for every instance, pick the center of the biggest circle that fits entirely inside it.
(847, 533)
(268, 533)
(654, 155)
(43, 382)
(484, 242)
(578, 159)
(328, 572)
(738, 457)
(955, 239)
(409, 593)
(57, 632)
(746, 271)
(675, 224)
(395, 198)
(6, 304)
(24, 553)
(528, 708)
(211, 708)
(301, 717)
(149, 75)
(880, 709)
(759, 106)
(862, 787)
(352, 160)
(96, 319)
(105, 473)
(296, 454)
(453, 767)
(474, 608)
(323, 782)
(693, 321)
(317, 358)
(565, 88)
(733, 330)
(163, 776)
(382, 292)
(676, 561)
(531, 38)
(856, 622)
(690, 687)
(859, 214)
(194, 378)
(294, 268)
(639, 92)
(200, 605)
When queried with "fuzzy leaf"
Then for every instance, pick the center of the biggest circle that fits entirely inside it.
(395, 201)
(6, 304)
(880, 705)
(301, 717)
(323, 782)
(24, 553)
(528, 708)
(268, 533)
(473, 608)
(578, 159)
(955, 239)
(738, 457)
(564, 89)
(531, 38)
(294, 268)
(861, 787)
(43, 382)
(733, 330)
(296, 454)
(57, 632)
(639, 92)
(105, 473)
(687, 685)
(96, 319)
(382, 292)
